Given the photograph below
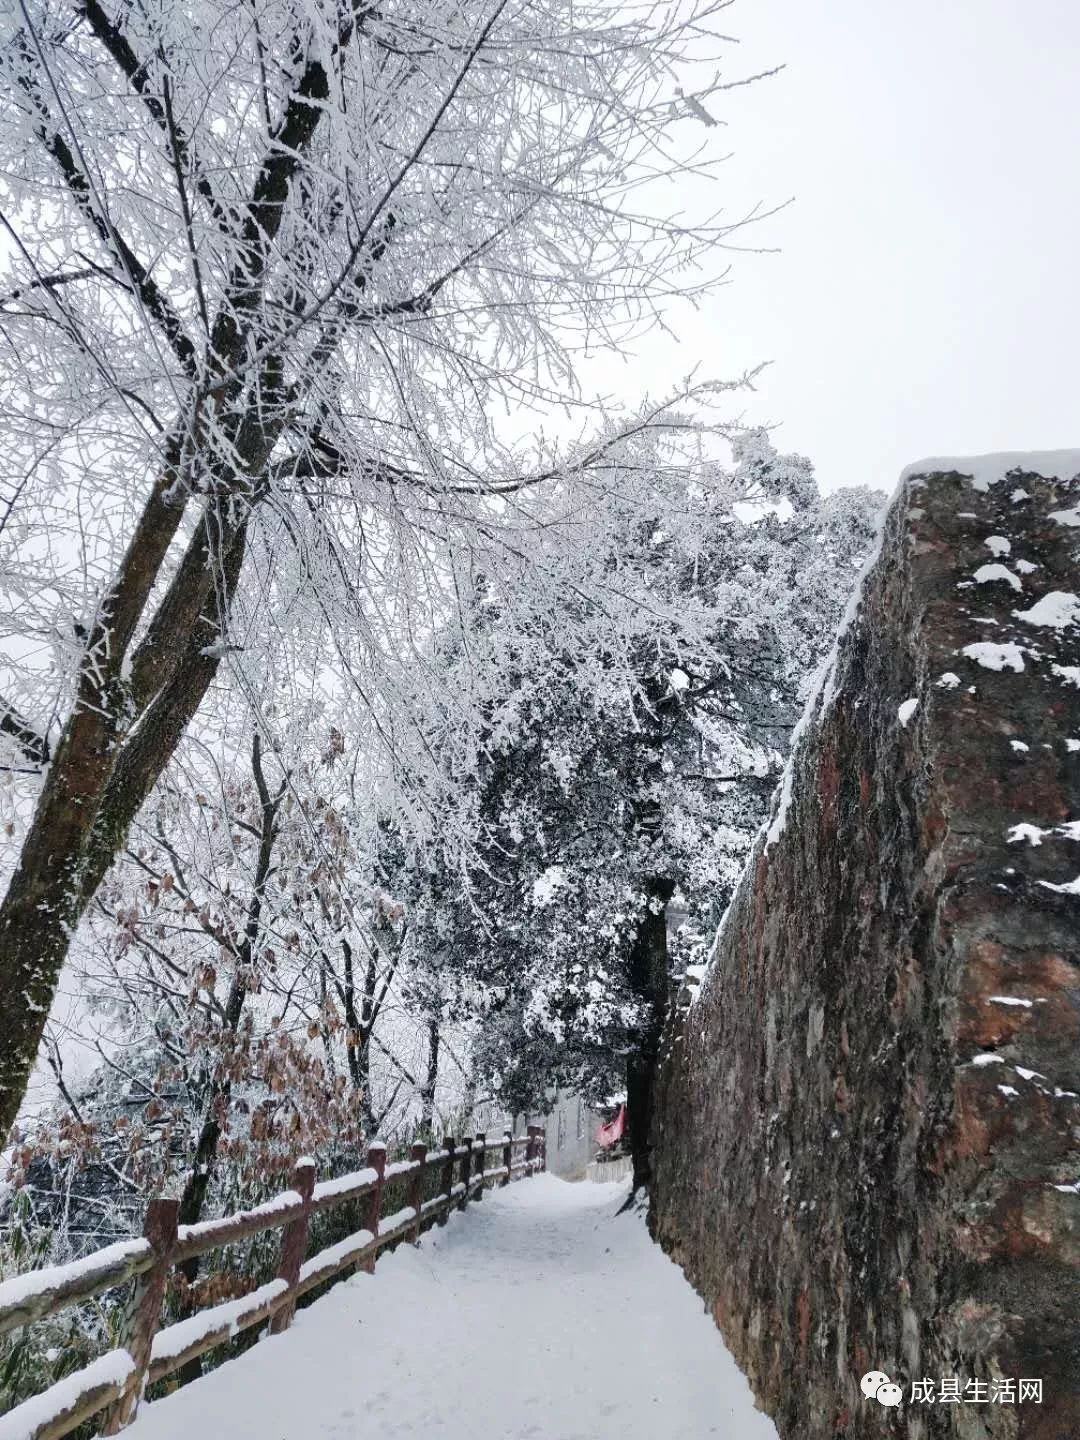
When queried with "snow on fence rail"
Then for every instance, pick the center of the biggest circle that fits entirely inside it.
(114, 1383)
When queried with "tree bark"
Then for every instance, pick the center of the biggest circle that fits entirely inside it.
(360, 1024)
(648, 974)
(431, 1078)
(96, 783)
(358, 1027)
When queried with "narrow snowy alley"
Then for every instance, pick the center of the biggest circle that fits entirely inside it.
(542, 1314)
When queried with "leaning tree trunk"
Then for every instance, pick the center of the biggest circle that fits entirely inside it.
(101, 773)
(648, 974)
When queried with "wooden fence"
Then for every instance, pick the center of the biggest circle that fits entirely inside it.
(114, 1383)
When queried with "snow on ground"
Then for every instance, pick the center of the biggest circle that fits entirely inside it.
(541, 1314)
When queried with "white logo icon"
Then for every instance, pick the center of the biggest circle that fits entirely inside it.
(876, 1385)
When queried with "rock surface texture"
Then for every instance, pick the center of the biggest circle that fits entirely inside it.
(868, 1124)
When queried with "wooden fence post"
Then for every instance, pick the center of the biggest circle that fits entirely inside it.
(481, 1156)
(447, 1184)
(508, 1156)
(530, 1149)
(416, 1190)
(376, 1159)
(144, 1311)
(543, 1147)
(466, 1170)
(294, 1242)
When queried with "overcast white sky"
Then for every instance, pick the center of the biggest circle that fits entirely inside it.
(927, 297)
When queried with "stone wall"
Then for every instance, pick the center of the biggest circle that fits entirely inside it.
(868, 1129)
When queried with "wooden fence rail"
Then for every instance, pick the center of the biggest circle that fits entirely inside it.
(114, 1383)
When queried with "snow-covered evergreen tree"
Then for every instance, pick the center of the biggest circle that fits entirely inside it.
(627, 755)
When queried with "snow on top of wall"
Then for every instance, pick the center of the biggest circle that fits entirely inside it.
(778, 823)
(987, 470)
(818, 701)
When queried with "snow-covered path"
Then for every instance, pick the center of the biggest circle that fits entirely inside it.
(539, 1315)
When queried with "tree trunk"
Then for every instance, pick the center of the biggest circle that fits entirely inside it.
(358, 1028)
(193, 1198)
(431, 1079)
(648, 973)
(218, 1095)
(219, 1090)
(360, 1025)
(102, 771)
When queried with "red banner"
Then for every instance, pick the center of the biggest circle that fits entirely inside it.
(613, 1130)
